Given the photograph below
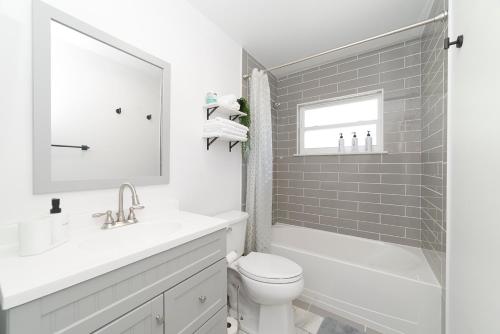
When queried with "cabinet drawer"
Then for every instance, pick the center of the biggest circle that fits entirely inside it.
(191, 303)
(146, 319)
(216, 324)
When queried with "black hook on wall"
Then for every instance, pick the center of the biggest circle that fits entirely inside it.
(118, 111)
(458, 42)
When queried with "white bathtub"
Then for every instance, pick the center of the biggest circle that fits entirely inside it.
(385, 286)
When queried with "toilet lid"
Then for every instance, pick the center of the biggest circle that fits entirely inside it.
(269, 267)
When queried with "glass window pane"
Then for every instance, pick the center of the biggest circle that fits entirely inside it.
(342, 112)
(330, 137)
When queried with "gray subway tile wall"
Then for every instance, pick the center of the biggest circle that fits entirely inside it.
(371, 196)
(433, 147)
(398, 197)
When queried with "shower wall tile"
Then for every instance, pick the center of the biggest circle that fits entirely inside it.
(370, 196)
(434, 65)
(398, 197)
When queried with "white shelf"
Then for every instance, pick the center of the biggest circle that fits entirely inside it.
(232, 140)
(223, 137)
(221, 110)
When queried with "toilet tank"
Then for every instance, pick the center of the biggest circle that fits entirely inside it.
(236, 232)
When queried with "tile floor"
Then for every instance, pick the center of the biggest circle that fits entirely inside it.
(307, 322)
(313, 313)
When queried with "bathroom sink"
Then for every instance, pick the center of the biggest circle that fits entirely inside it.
(138, 235)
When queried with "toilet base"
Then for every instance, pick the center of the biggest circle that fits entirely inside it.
(254, 318)
(276, 319)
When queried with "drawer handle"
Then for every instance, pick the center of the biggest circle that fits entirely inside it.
(159, 319)
(202, 299)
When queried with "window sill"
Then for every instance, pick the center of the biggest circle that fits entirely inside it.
(339, 153)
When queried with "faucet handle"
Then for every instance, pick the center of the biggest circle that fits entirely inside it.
(109, 218)
(131, 212)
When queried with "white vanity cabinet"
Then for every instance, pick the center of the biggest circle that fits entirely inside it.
(181, 290)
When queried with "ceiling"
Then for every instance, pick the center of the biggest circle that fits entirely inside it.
(279, 31)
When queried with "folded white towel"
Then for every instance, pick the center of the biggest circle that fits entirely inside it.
(227, 122)
(227, 100)
(233, 131)
(234, 106)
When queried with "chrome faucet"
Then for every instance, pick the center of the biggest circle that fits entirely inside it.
(136, 204)
(120, 215)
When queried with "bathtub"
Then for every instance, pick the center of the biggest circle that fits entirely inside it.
(385, 286)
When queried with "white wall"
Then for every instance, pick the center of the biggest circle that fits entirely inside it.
(473, 303)
(203, 59)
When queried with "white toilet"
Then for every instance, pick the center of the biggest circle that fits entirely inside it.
(261, 286)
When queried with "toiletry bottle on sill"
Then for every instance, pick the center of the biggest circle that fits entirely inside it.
(368, 143)
(341, 147)
(354, 146)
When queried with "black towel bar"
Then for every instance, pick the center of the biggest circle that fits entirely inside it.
(81, 147)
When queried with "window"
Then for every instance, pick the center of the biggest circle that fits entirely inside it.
(321, 123)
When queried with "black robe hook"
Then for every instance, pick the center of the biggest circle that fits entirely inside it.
(458, 42)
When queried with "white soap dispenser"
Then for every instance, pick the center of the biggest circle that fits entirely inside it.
(368, 143)
(341, 144)
(60, 224)
(354, 145)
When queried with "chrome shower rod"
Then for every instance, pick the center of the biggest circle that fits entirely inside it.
(441, 17)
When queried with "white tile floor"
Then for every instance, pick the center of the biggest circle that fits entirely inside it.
(305, 322)
(308, 323)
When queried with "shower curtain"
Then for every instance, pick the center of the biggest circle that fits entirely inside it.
(259, 199)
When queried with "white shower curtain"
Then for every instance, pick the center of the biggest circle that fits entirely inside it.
(259, 199)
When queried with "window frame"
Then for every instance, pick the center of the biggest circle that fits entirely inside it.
(379, 148)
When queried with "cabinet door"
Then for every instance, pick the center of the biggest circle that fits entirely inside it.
(216, 325)
(146, 319)
(193, 302)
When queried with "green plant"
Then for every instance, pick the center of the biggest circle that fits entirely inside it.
(245, 120)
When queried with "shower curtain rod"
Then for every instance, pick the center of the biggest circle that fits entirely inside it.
(440, 17)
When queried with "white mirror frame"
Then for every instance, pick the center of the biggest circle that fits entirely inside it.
(43, 14)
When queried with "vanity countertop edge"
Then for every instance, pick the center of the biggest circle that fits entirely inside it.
(24, 279)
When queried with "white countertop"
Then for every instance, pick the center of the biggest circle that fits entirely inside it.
(92, 251)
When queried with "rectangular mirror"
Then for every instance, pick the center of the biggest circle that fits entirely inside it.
(101, 108)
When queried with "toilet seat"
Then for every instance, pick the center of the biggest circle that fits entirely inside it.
(269, 268)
